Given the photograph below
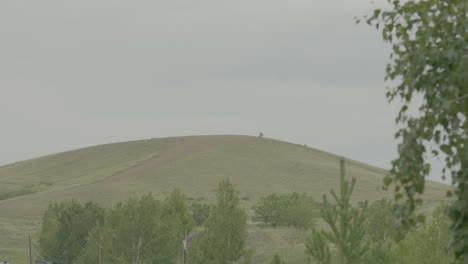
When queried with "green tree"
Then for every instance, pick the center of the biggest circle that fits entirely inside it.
(65, 229)
(141, 230)
(429, 63)
(347, 227)
(223, 240)
(200, 212)
(48, 241)
(271, 210)
(176, 211)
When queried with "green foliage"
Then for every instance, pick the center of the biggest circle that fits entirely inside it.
(317, 247)
(297, 210)
(223, 240)
(200, 212)
(301, 211)
(65, 229)
(49, 231)
(427, 243)
(277, 260)
(429, 61)
(381, 223)
(141, 230)
(380, 252)
(175, 210)
(346, 224)
(271, 210)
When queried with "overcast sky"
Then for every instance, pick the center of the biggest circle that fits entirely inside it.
(81, 73)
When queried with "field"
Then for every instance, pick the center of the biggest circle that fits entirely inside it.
(195, 164)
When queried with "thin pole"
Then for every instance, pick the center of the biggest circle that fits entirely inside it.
(30, 250)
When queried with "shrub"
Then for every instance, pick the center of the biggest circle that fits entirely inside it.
(297, 210)
(381, 223)
(271, 210)
(301, 211)
(427, 243)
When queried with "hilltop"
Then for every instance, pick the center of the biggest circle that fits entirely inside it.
(194, 164)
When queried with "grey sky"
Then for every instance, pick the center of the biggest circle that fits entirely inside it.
(81, 73)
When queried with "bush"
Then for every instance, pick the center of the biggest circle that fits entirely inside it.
(297, 210)
(271, 210)
(381, 223)
(427, 243)
(301, 211)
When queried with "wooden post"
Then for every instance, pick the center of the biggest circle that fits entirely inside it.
(30, 250)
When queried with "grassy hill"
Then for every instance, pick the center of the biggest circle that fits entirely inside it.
(113, 172)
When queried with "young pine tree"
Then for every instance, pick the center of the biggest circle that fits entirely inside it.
(346, 224)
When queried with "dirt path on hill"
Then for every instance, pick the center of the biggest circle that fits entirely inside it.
(188, 146)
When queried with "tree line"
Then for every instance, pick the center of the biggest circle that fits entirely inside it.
(147, 230)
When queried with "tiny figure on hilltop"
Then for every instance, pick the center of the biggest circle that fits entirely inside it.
(261, 135)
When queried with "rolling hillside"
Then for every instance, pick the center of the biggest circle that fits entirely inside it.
(112, 172)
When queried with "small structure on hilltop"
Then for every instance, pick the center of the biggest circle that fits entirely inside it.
(260, 135)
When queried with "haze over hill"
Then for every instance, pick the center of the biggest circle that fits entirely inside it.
(195, 164)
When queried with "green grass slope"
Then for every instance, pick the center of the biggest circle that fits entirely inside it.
(195, 164)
